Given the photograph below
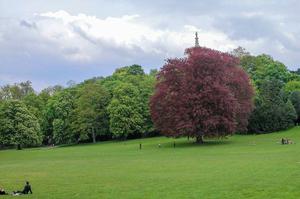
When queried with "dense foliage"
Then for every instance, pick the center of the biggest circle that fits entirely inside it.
(272, 111)
(96, 109)
(90, 111)
(295, 99)
(17, 125)
(274, 85)
(125, 110)
(58, 114)
(205, 94)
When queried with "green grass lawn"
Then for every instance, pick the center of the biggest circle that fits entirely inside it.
(239, 167)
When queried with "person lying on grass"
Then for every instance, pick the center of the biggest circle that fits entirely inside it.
(26, 190)
(2, 192)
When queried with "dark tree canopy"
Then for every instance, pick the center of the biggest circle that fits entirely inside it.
(295, 99)
(205, 94)
(273, 111)
(90, 110)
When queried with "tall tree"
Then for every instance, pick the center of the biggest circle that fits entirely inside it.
(17, 125)
(143, 83)
(125, 111)
(203, 95)
(295, 99)
(146, 88)
(272, 111)
(91, 114)
(58, 112)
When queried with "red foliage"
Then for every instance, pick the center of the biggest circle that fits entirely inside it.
(205, 94)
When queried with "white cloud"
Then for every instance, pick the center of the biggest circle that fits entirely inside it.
(86, 38)
(54, 47)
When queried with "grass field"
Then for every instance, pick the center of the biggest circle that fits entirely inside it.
(239, 167)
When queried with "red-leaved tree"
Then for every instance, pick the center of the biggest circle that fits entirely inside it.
(205, 94)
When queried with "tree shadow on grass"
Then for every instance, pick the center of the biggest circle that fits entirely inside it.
(185, 144)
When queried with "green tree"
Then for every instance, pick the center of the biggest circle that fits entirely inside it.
(146, 88)
(273, 82)
(18, 126)
(272, 112)
(41, 104)
(91, 114)
(295, 99)
(58, 114)
(144, 83)
(34, 104)
(129, 74)
(292, 86)
(294, 76)
(263, 67)
(125, 111)
(130, 70)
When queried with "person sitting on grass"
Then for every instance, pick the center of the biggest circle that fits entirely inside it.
(286, 141)
(2, 192)
(26, 190)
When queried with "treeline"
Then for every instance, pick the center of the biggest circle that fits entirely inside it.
(277, 93)
(117, 106)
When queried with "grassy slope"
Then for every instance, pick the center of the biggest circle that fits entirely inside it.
(240, 167)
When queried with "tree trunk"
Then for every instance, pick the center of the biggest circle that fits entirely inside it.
(19, 147)
(94, 136)
(199, 139)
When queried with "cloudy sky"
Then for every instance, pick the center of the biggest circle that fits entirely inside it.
(52, 42)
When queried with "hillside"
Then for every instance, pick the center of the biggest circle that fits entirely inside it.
(254, 166)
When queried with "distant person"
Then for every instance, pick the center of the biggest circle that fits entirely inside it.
(2, 192)
(282, 141)
(26, 190)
